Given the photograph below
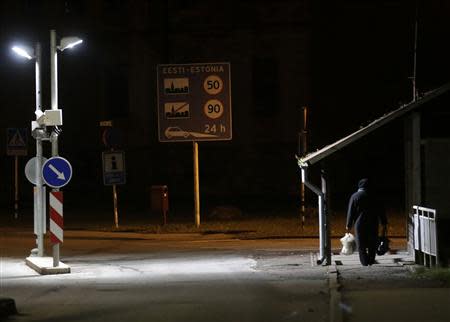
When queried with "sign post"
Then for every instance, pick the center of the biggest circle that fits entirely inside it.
(194, 104)
(116, 209)
(56, 173)
(56, 223)
(16, 186)
(196, 186)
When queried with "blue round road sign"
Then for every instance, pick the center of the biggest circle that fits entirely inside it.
(57, 172)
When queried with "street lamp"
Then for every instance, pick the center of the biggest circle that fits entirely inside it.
(65, 43)
(39, 134)
(69, 42)
(23, 52)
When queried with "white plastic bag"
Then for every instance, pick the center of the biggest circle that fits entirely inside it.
(348, 244)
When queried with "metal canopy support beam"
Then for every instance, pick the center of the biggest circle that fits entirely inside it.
(416, 160)
(413, 170)
(330, 149)
(325, 249)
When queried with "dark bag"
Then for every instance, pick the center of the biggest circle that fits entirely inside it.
(383, 245)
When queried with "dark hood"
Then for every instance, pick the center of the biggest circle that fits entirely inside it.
(363, 183)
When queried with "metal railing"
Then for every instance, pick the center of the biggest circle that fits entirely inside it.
(425, 236)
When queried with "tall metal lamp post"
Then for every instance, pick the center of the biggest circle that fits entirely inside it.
(65, 43)
(39, 134)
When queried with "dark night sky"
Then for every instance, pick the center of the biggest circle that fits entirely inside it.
(363, 62)
(364, 57)
(358, 54)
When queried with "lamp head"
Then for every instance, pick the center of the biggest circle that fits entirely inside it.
(24, 51)
(69, 42)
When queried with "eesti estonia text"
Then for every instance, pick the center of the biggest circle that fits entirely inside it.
(193, 69)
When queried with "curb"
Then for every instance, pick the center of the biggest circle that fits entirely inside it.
(335, 294)
(7, 307)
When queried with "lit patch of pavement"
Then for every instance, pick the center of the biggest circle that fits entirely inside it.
(128, 270)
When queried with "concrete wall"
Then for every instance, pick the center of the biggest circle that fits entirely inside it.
(436, 174)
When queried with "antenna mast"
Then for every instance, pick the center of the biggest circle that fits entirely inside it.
(416, 23)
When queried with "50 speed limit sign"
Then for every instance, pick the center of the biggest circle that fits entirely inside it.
(213, 84)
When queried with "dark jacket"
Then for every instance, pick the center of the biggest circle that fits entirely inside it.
(364, 213)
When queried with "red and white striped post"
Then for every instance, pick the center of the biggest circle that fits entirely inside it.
(56, 223)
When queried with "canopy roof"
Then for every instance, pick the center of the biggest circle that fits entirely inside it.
(318, 155)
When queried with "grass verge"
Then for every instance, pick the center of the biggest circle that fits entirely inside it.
(438, 274)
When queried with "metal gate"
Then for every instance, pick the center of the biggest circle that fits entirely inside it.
(425, 236)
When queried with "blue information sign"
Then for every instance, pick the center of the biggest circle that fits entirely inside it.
(57, 172)
(114, 168)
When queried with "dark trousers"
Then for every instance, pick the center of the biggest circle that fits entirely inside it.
(366, 240)
(367, 255)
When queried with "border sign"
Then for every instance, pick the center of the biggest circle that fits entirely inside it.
(16, 141)
(113, 168)
(194, 102)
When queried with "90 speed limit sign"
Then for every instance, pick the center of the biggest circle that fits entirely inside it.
(213, 109)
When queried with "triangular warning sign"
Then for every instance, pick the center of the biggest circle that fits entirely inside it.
(17, 140)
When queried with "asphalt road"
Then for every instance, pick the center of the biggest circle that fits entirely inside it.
(132, 277)
(215, 277)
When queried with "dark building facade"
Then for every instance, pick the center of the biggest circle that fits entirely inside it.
(112, 76)
(283, 54)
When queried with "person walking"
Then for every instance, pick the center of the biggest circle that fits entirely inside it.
(364, 215)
